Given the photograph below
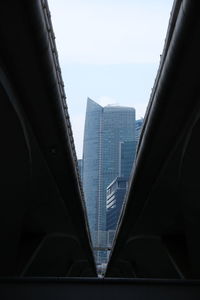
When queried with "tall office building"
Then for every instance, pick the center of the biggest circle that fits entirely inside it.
(138, 128)
(126, 158)
(80, 168)
(114, 202)
(118, 187)
(105, 128)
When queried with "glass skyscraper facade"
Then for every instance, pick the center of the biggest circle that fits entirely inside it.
(117, 189)
(80, 168)
(105, 128)
(138, 128)
(91, 171)
(115, 198)
(126, 158)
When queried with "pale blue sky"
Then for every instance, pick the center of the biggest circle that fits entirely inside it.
(109, 50)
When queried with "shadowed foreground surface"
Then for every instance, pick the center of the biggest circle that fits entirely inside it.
(138, 289)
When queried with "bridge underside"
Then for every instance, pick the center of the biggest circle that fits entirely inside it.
(159, 234)
(43, 227)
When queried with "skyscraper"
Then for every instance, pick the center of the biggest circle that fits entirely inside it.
(80, 168)
(138, 128)
(126, 158)
(118, 187)
(105, 128)
(115, 197)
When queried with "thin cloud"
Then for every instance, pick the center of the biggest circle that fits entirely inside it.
(105, 100)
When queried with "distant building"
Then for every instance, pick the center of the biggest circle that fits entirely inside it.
(138, 128)
(80, 168)
(110, 237)
(105, 128)
(126, 158)
(117, 189)
(115, 197)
